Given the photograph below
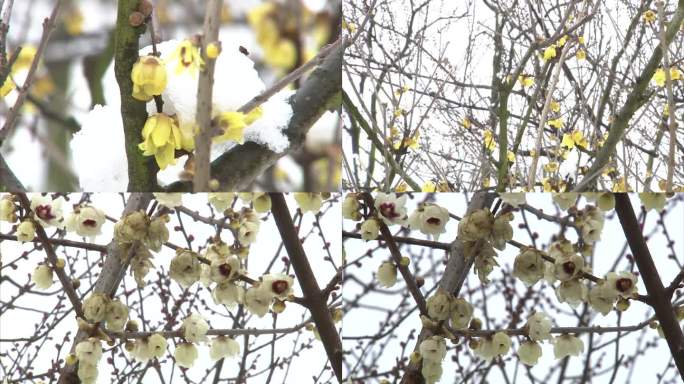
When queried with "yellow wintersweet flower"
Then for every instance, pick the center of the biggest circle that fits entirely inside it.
(351, 27)
(398, 112)
(429, 186)
(511, 156)
(7, 87)
(233, 125)
(149, 78)
(546, 183)
(526, 81)
(581, 39)
(550, 52)
(466, 123)
(161, 137)
(73, 22)
(282, 54)
(489, 142)
(659, 76)
(649, 16)
(401, 187)
(555, 106)
(581, 54)
(556, 123)
(25, 58)
(562, 41)
(23, 61)
(443, 186)
(187, 58)
(576, 138)
(666, 110)
(551, 167)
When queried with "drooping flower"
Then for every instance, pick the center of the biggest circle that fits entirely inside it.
(529, 352)
(370, 230)
(89, 351)
(651, 200)
(461, 312)
(185, 355)
(185, 268)
(539, 326)
(567, 345)
(42, 276)
(309, 201)
(195, 328)
(116, 315)
(529, 266)
(187, 59)
(95, 307)
(350, 207)
(149, 77)
(221, 200)
(258, 299)
(86, 221)
(8, 209)
(233, 125)
(433, 348)
(223, 346)
(169, 200)
(572, 292)
(26, 231)
(476, 225)
(439, 304)
(387, 274)
(602, 296)
(161, 138)
(228, 294)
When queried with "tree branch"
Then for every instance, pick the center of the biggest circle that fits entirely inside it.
(658, 297)
(142, 171)
(456, 270)
(112, 273)
(312, 293)
(205, 88)
(635, 99)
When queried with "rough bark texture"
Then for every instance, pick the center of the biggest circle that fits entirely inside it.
(113, 271)
(455, 272)
(142, 171)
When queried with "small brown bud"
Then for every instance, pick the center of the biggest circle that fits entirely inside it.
(420, 281)
(136, 19)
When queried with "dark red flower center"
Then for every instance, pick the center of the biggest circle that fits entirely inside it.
(90, 223)
(434, 221)
(44, 212)
(279, 286)
(624, 284)
(569, 267)
(388, 210)
(225, 269)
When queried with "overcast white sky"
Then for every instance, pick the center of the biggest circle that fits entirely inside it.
(377, 306)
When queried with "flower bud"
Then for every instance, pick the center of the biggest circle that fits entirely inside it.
(26, 231)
